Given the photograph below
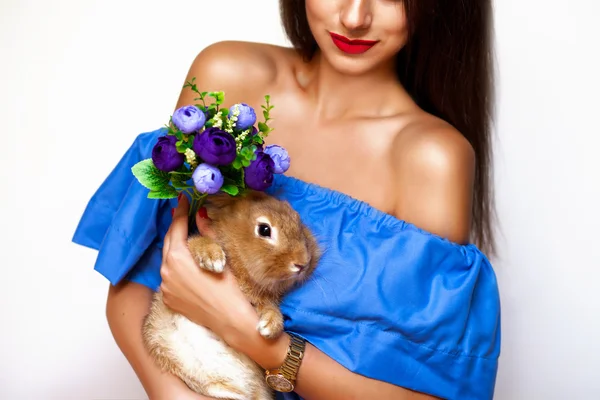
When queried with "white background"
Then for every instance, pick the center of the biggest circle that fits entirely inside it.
(80, 79)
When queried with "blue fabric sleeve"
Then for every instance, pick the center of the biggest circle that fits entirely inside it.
(123, 224)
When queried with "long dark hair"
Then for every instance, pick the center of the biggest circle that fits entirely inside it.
(447, 68)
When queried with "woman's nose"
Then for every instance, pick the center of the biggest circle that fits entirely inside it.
(356, 15)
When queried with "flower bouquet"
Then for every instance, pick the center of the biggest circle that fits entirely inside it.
(209, 149)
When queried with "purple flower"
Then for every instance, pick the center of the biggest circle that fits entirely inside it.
(215, 146)
(280, 158)
(189, 119)
(259, 174)
(246, 117)
(165, 155)
(207, 179)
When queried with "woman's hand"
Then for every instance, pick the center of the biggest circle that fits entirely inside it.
(210, 299)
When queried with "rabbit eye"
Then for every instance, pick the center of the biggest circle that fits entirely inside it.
(264, 230)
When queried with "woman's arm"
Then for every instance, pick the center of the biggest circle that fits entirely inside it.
(434, 172)
(126, 306)
(319, 376)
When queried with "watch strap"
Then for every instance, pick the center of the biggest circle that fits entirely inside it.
(294, 357)
(283, 379)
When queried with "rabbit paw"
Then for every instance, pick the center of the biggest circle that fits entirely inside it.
(270, 324)
(207, 254)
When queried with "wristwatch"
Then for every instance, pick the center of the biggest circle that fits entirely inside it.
(283, 379)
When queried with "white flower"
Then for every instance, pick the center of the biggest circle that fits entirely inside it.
(230, 124)
(217, 121)
(236, 112)
(190, 157)
(241, 138)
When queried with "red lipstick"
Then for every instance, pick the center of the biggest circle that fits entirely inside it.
(350, 46)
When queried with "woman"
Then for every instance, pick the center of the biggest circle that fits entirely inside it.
(389, 139)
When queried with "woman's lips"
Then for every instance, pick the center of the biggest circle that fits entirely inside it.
(350, 46)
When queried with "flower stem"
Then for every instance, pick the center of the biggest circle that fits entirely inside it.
(197, 200)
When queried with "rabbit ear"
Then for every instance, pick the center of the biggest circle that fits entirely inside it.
(222, 204)
(255, 196)
(218, 202)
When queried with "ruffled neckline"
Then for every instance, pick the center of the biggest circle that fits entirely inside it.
(296, 185)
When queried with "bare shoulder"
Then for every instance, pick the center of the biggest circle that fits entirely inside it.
(434, 167)
(434, 145)
(243, 70)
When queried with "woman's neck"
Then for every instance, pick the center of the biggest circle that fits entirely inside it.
(340, 96)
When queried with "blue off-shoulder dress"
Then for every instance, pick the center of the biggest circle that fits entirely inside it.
(390, 301)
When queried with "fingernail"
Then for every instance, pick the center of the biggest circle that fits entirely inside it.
(172, 211)
(202, 213)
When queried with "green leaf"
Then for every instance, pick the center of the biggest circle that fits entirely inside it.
(218, 96)
(225, 112)
(149, 176)
(230, 189)
(266, 114)
(237, 164)
(262, 127)
(181, 185)
(246, 152)
(245, 162)
(167, 192)
(182, 146)
(179, 181)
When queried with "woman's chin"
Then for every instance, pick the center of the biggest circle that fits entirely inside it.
(352, 64)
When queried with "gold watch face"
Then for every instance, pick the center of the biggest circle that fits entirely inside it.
(279, 383)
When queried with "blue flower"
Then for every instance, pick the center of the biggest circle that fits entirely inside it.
(189, 119)
(259, 174)
(165, 155)
(246, 117)
(280, 157)
(207, 179)
(215, 146)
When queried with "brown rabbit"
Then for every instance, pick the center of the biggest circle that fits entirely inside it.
(269, 250)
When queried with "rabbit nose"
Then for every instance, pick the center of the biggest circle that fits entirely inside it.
(297, 268)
